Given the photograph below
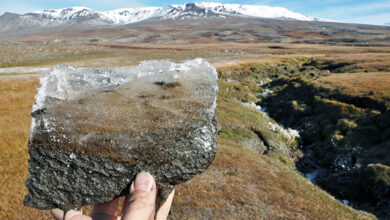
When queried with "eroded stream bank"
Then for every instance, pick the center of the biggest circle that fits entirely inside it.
(344, 129)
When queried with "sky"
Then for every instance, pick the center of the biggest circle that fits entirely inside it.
(350, 11)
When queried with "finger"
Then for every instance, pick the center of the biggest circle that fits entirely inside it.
(76, 215)
(163, 212)
(124, 205)
(141, 203)
(58, 214)
(70, 215)
(105, 211)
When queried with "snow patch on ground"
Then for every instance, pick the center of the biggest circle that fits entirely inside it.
(253, 106)
(289, 133)
(265, 92)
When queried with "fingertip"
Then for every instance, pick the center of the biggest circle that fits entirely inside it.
(144, 181)
(142, 198)
(73, 214)
(58, 214)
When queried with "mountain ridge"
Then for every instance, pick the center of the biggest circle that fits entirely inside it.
(188, 10)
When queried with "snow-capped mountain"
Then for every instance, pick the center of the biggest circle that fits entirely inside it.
(73, 18)
(65, 13)
(202, 9)
(387, 24)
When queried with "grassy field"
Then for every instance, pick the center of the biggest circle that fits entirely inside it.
(374, 85)
(241, 184)
(328, 80)
(108, 55)
(17, 96)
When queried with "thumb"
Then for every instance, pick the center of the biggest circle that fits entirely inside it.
(142, 199)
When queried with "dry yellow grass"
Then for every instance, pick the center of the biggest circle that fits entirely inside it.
(17, 96)
(240, 184)
(28, 52)
(375, 85)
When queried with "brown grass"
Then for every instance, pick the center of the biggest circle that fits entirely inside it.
(374, 85)
(83, 53)
(17, 96)
(240, 184)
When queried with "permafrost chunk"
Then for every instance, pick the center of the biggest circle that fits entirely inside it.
(93, 130)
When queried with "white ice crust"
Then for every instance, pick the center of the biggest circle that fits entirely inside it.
(66, 82)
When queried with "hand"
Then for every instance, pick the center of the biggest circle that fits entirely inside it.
(140, 205)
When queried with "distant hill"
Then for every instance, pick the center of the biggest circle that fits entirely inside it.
(82, 16)
(189, 10)
(189, 23)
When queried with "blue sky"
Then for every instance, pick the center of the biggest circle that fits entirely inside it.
(352, 11)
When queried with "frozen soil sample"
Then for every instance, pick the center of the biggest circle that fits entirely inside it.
(93, 131)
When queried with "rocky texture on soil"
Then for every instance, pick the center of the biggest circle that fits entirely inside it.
(92, 131)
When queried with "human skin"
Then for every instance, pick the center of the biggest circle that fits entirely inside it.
(139, 205)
